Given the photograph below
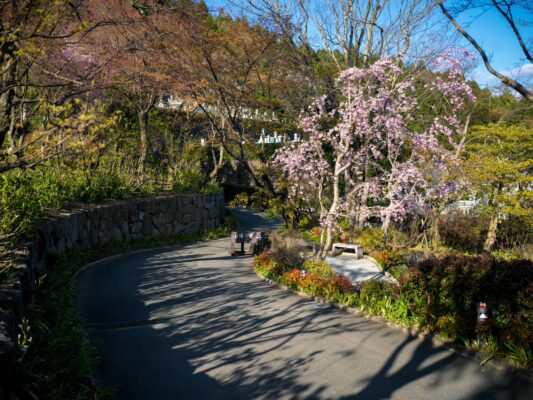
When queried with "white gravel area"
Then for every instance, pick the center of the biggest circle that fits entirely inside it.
(355, 270)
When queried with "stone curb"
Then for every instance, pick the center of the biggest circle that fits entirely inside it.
(473, 355)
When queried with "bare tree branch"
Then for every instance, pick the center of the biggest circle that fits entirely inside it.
(504, 79)
(509, 17)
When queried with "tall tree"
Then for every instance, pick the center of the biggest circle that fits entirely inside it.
(499, 169)
(240, 67)
(39, 72)
(365, 151)
(355, 32)
(134, 55)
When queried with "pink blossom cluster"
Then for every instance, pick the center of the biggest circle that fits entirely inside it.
(371, 147)
(456, 60)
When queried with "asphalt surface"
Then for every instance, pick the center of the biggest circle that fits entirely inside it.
(248, 220)
(191, 322)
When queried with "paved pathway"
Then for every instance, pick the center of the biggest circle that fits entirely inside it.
(248, 220)
(190, 322)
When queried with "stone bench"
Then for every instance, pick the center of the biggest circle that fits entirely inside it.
(356, 248)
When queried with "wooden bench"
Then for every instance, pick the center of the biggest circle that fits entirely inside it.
(254, 239)
(356, 248)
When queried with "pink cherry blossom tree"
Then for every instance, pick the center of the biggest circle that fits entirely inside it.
(363, 157)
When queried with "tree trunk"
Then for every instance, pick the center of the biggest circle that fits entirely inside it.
(331, 213)
(385, 227)
(290, 222)
(142, 115)
(7, 98)
(491, 234)
(218, 163)
(435, 230)
(328, 243)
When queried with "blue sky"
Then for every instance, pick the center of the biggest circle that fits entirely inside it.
(492, 32)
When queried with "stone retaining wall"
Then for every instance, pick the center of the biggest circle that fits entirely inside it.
(82, 226)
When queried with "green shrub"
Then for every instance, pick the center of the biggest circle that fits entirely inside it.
(276, 263)
(24, 197)
(336, 288)
(452, 287)
(436, 295)
(192, 180)
(371, 238)
(464, 232)
(313, 234)
(319, 267)
(97, 186)
(241, 199)
(388, 259)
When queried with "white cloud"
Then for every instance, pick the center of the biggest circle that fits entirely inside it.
(525, 70)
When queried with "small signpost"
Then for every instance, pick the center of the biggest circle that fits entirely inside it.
(482, 321)
(255, 241)
(482, 314)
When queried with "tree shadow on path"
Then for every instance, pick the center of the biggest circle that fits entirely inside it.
(189, 324)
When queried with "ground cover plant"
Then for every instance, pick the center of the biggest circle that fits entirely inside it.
(312, 276)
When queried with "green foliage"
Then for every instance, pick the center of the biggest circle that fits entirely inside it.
(57, 363)
(324, 283)
(25, 195)
(305, 222)
(504, 108)
(388, 258)
(95, 187)
(371, 238)
(498, 166)
(515, 233)
(437, 295)
(241, 199)
(275, 263)
(319, 267)
(466, 233)
(186, 180)
(391, 261)
(381, 298)
(521, 356)
(453, 286)
(312, 234)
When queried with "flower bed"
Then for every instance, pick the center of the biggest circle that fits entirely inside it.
(438, 296)
(317, 280)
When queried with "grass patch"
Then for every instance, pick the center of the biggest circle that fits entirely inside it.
(56, 359)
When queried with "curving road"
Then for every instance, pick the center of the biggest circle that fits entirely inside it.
(191, 322)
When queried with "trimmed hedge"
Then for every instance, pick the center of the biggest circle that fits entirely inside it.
(447, 291)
